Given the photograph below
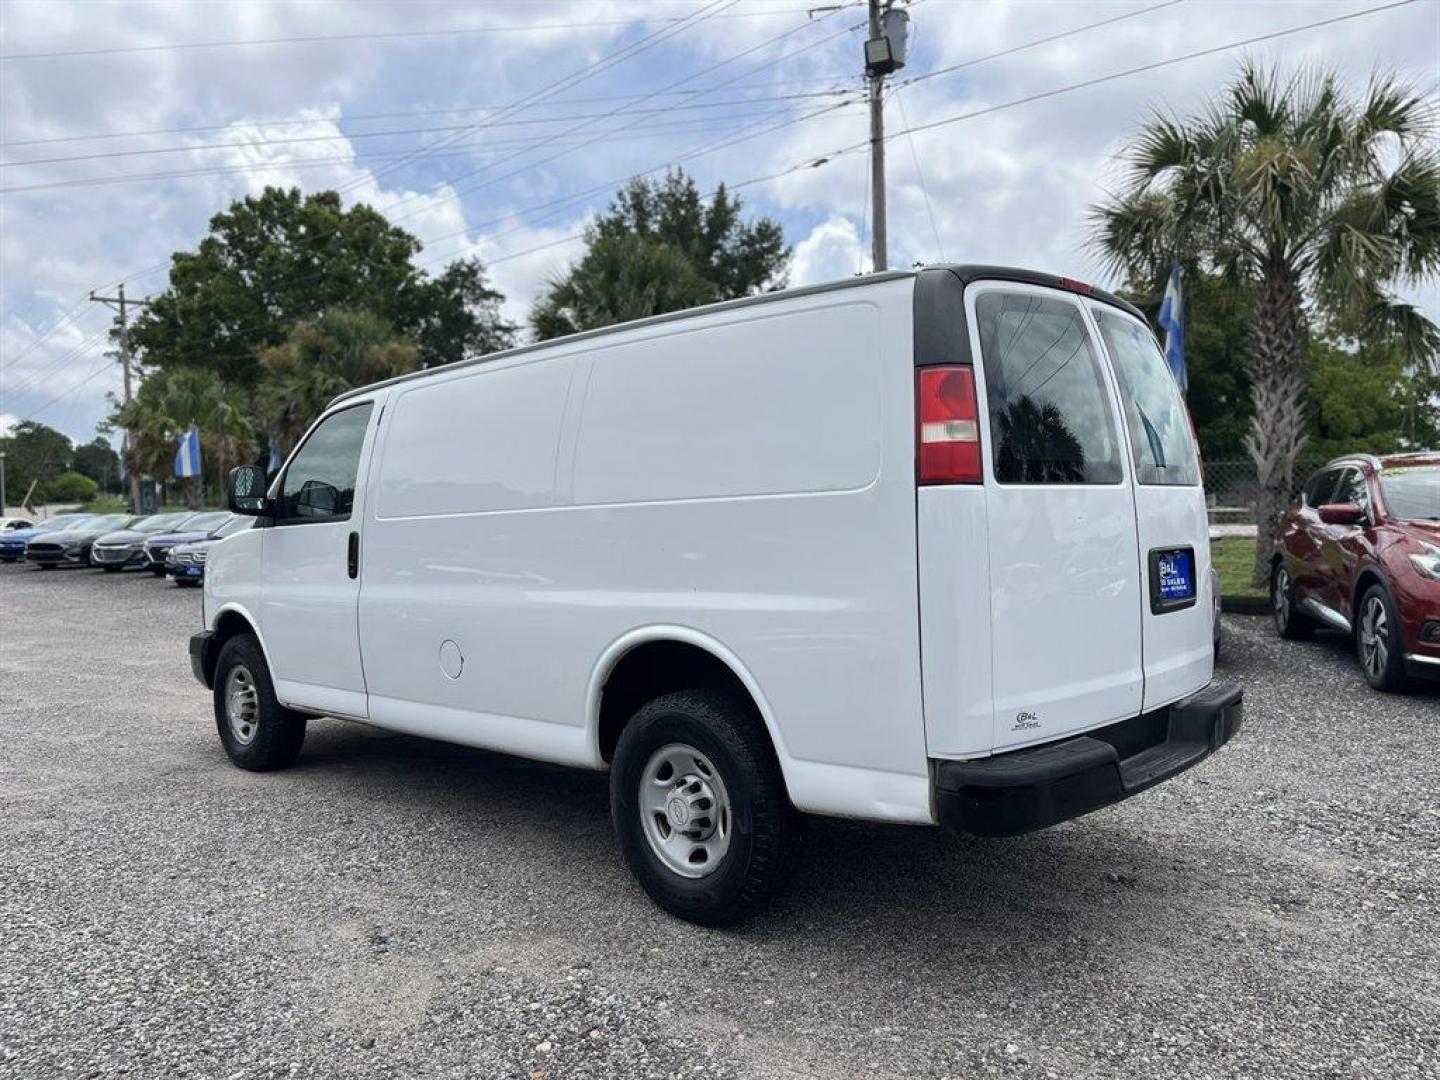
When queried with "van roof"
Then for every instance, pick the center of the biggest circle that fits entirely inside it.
(966, 272)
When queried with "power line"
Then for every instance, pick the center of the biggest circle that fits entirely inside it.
(71, 389)
(1056, 92)
(816, 162)
(35, 342)
(106, 179)
(575, 78)
(457, 192)
(518, 28)
(950, 70)
(246, 144)
(411, 114)
(920, 176)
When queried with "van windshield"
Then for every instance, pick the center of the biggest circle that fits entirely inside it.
(1160, 439)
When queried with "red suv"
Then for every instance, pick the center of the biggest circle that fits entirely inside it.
(1360, 552)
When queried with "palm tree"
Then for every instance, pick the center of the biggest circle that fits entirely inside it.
(337, 351)
(621, 278)
(1324, 202)
(165, 406)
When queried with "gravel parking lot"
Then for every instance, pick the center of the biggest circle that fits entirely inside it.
(395, 907)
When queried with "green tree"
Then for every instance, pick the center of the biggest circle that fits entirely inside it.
(278, 258)
(661, 247)
(1309, 195)
(620, 278)
(165, 406)
(71, 487)
(1368, 400)
(33, 452)
(99, 461)
(336, 352)
(463, 319)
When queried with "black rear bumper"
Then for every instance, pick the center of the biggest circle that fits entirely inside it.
(1032, 789)
(202, 657)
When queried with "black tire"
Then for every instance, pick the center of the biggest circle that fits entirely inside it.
(275, 735)
(764, 829)
(111, 569)
(1290, 623)
(1379, 640)
(158, 571)
(46, 565)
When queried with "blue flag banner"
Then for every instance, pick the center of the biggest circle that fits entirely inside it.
(187, 458)
(1172, 321)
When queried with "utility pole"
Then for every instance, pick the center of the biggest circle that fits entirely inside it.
(2, 483)
(121, 304)
(877, 152)
(884, 53)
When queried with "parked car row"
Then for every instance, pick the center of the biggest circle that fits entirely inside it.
(1359, 552)
(172, 544)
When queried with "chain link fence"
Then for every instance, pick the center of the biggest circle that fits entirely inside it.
(1231, 489)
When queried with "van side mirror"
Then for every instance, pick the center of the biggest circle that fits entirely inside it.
(1341, 514)
(247, 491)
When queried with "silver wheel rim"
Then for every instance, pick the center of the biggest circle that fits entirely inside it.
(685, 810)
(242, 704)
(1374, 637)
(1281, 600)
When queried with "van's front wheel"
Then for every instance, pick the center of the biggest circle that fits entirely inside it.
(258, 733)
(700, 807)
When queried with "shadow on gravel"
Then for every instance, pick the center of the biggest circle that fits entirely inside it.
(863, 892)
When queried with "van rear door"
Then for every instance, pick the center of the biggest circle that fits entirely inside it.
(1064, 585)
(1172, 525)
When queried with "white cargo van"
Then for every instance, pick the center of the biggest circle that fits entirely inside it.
(920, 547)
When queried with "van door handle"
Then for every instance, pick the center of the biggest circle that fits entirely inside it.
(353, 558)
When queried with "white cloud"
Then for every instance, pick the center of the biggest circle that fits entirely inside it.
(831, 251)
(1011, 186)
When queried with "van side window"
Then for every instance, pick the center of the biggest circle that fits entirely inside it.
(1160, 440)
(1050, 415)
(320, 479)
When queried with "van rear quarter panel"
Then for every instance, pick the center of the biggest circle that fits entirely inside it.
(746, 475)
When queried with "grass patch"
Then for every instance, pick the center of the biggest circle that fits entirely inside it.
(1234, 558)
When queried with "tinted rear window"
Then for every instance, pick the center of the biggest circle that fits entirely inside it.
(1412, 493)
(1050, 415)
(1160, 441)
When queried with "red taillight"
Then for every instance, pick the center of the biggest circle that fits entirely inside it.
(948, 442)
(1076, 286)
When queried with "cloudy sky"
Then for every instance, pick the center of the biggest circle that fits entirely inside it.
(497, 127)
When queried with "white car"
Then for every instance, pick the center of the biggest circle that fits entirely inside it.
(924, 546)
(9, 523)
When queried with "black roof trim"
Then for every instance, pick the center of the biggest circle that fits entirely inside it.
(971, 272)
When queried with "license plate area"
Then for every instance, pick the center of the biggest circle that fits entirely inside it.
(1172, 579)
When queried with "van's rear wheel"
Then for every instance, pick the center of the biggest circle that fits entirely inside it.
(258, 733)
(700, 807)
